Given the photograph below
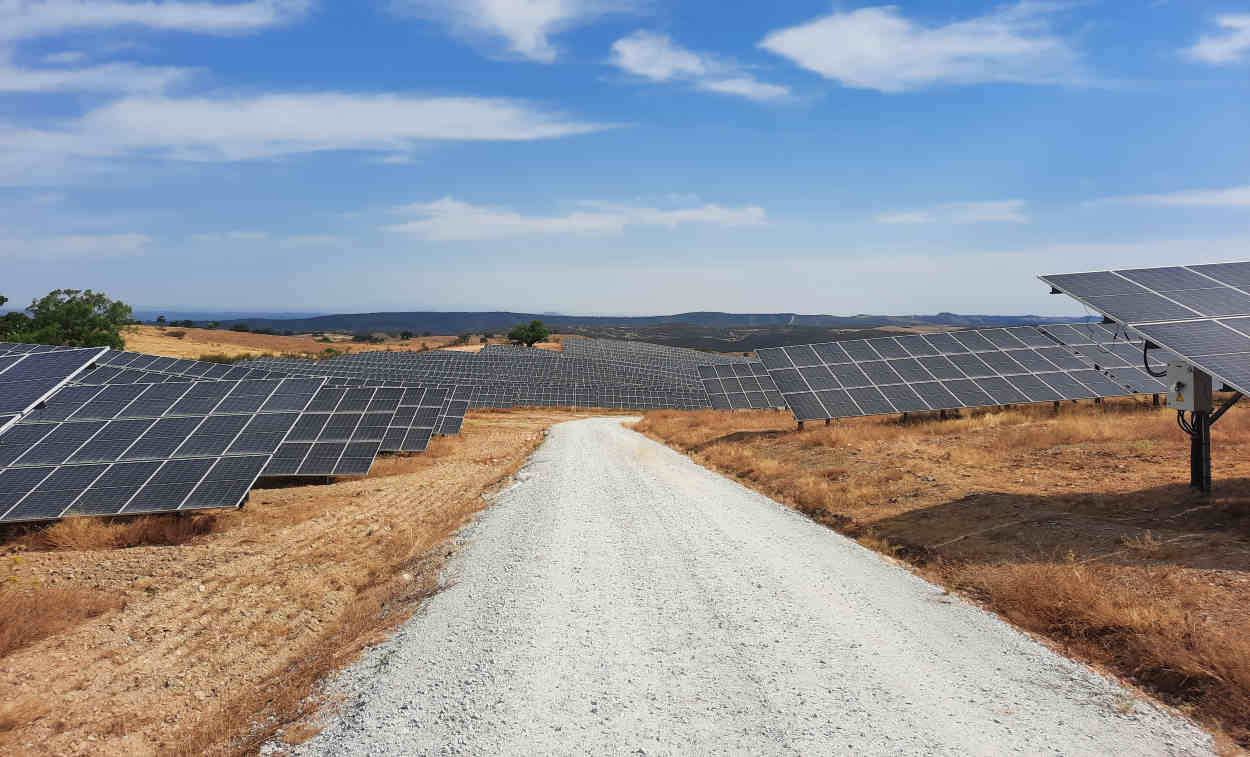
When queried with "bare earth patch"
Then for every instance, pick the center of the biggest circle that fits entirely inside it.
(206, 633)
(1078, 526)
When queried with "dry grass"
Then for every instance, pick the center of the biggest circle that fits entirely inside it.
(113, 533)
(31, 613)
(1075, 525)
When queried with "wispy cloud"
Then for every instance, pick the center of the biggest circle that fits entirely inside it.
(657, 57)
(449, 219)
(1232, 45)
(230, 236)
(107, 77)
(1232, 197)
(74, 246)
(525, 27)
(879, 48)
(26, 19)
(999, 211)
(311, 240)
(266, 126)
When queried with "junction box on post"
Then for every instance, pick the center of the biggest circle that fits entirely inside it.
(1188, 389)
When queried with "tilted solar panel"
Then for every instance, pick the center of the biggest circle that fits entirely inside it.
(1200, 313)
(740, 386)
(142, 448)
(946, 371)
(339, 433)
(27, 379)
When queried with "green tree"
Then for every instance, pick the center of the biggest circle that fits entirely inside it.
(240, 327)
(72, 318)
(529, 334)
(406, 335)
(160, 320)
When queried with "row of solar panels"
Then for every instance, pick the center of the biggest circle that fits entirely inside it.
(74, 443)
(959, 369)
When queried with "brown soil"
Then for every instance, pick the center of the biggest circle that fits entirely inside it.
(1078, 526)
(207, 636)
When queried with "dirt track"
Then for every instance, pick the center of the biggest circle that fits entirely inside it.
(621, 599)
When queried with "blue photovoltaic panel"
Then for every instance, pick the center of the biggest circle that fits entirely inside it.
(28, 379)
(973, 368)
(1193, 311)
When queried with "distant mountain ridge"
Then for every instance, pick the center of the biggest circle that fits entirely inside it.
(438, 322)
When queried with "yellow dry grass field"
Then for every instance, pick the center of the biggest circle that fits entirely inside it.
(192, 343)
(196, 343)
(1077, 526)
(204, 633)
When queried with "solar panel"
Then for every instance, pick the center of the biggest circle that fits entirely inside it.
(957, 369)
(128, 449)
(29, 378)
(738, 386)
(1200, 313)
(340, 433)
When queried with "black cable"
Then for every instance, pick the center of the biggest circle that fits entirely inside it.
(1146, 361)
(1185, 425)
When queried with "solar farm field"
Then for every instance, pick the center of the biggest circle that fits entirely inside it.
(1074, 525)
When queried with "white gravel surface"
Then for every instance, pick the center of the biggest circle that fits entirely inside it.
(620, 599)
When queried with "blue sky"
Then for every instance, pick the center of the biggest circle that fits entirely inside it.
(615, 156)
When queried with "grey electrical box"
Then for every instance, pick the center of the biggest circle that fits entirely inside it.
(1188, 388)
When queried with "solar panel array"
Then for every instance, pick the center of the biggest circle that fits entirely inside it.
(588, 373)
(740, 386)
(143, 448)
(951, 370)
(1199, 312)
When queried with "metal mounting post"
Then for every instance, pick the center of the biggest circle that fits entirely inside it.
(800, 425)
(827, 421)
(1155, 399)
(1200, 451)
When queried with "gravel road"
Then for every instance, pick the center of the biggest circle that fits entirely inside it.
(620, 599)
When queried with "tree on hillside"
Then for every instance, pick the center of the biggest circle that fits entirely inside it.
(70, 317)
(529, 334)
(160, 320)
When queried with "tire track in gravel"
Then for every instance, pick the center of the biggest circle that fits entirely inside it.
(620, 599)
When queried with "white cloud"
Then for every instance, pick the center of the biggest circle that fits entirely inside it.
(230, 236)
(1232, 46)
(243, 128)
(108, 77)
(25, 19)
(65, 58)
(878, 48)
(525, 26)
(311, 240)
(1000, 211)
(1233, 197)
(449, 219)
(74, 246)
(657, 57)
(745, 86)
